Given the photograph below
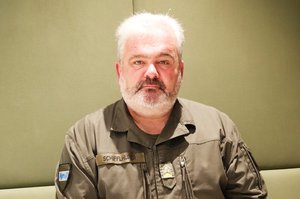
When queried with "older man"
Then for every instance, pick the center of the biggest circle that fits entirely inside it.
(150, 144)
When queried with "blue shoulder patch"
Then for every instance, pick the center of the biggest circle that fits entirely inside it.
(63, 176)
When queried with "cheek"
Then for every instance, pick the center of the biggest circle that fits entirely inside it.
(170, 79)
(130, 78)
(135, 75)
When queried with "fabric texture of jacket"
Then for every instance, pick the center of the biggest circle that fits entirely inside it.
(199, 154)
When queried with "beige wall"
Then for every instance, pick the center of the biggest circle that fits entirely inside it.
(57, 64)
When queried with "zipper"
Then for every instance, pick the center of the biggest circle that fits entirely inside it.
(254, 165)
(185, 178)
(146, 182)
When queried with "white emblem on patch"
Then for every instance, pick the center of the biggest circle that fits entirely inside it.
(166, 170)
(63, 176)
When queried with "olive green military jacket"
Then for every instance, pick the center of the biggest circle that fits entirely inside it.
(199, 154)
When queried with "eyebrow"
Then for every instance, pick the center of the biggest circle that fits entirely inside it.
(137, 56)
(167, 55)
(145, 56)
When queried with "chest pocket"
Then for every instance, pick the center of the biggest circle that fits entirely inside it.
(198, 169)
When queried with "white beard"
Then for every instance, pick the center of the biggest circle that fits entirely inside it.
(144, 103)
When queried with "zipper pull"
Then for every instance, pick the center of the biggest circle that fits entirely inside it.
(182, 165)
(182, 161)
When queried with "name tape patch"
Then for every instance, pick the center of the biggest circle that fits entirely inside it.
(119, 158)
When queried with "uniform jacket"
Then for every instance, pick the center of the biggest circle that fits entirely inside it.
(199, 154)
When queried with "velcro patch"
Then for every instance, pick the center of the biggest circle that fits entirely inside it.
(166, 170)
(63, 175)
(119, 158)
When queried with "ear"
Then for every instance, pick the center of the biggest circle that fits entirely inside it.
(118, 69)
(181, 67)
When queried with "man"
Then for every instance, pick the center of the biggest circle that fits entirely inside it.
(150, 144)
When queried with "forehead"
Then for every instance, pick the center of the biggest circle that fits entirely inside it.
(156, 43)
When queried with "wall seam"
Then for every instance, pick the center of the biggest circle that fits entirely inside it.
(133, 6)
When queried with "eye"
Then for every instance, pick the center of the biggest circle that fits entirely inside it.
(138, 62)
(164, 62)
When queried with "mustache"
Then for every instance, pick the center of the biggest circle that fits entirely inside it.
(149, 81)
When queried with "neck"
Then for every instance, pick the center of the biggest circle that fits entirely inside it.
(151, 124)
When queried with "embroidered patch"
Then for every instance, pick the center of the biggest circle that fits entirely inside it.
(63, 175)
(119, 158)
(166, 170)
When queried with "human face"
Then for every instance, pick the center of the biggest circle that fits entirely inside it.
(150, 73)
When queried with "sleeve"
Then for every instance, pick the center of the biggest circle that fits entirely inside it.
(243, 177)
(75, 175)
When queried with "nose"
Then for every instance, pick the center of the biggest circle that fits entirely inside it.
(151, 72)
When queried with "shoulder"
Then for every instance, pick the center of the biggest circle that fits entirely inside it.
(95, 119)
(197, 106)
(87, 131)
(210, 122)
(202, 112)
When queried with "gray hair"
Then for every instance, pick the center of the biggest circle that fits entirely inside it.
(139, 23)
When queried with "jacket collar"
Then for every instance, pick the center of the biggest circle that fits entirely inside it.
(121, 117)
(180, 122)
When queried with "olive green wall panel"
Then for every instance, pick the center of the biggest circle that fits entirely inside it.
(57, 63)
(243, 58)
